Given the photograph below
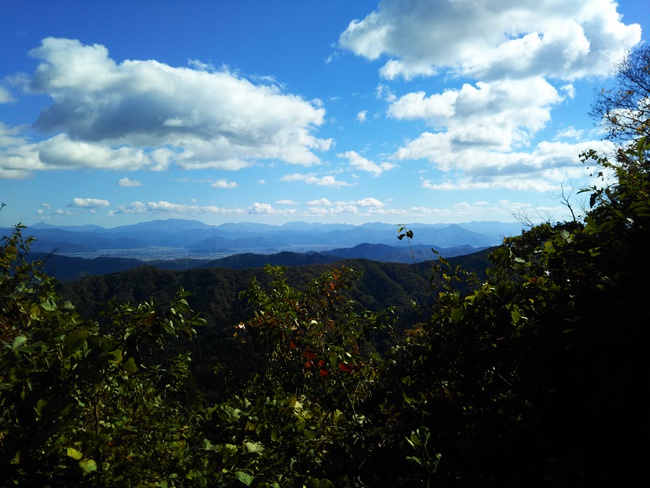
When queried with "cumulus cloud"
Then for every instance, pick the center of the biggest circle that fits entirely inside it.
(321, 202)
(366, 202)
(311, 179)
(362, 116)
(89, 203)
(500, 114)
(567, 40)
(368, 207)
(483, 130)
(544, 169)
(224, 183)
(146, 114)
(128, 183)
(357, 161)
(268, 209)
(517, 62)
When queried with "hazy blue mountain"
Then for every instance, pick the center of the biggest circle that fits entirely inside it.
(386, 253)
(191, 236)
(211, 244)
(73, 228)
(61, 247)
(168, 226)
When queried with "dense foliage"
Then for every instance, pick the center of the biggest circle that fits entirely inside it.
(531, 376)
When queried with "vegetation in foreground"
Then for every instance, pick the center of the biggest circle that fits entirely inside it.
(533, 378)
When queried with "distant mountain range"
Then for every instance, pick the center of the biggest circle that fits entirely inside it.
(194, 238)
(71, 253)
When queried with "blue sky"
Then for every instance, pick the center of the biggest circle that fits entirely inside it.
(399, 111)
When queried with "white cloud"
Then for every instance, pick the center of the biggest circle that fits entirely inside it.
(89, 203)
(224, 183)
(383, 92)
(362, 116)
(164, 207)
(518, 61)
(321, 202)
(366, 207)
(268, 209)
(500, 114)
(542, 170)
(482, 131)
(366, 202)
(567, 40)
(294, 177)
(357, 161)
(128, 183)
(502, 210)
(286, 202)
(5, 96)
(310, 179)
(146, 114)
(569, 133)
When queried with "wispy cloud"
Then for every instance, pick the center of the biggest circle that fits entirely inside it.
(358, 162)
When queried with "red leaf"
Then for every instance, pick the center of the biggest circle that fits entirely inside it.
(323, 372)
(309, 355)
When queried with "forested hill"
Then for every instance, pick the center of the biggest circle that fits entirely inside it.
(70, 268)
(214, 292)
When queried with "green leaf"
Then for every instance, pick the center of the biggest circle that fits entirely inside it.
(316, 483)
(456, 315)
(117, 354)
(88, 465)
(18, 341)
(245, 478)
(415, 459)
(75, 340)
(515, 315)
(253, 447)
(74, 454)
(129, 366)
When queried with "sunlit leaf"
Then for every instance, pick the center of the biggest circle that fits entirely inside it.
(73, 453)
(253, 447)
(88, 464)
